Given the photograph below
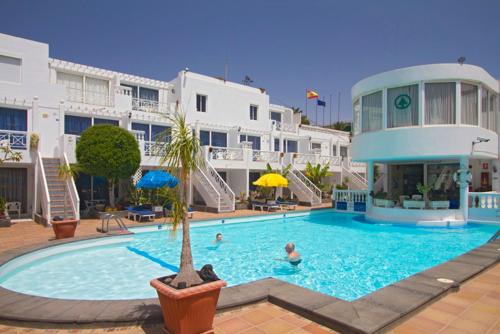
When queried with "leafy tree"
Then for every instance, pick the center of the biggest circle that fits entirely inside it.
(65, 173)
(108, 151)
(304, 120)
(182, 156)
(284, 172)
(317, 173)
(8, 154)
(342, 126)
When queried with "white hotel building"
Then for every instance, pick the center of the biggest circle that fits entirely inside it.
(240, 129)
(436, 125)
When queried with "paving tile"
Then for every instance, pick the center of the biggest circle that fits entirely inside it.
(316, 329)
(234, 325)
(426, 324)
(276, 326)
(256, 317)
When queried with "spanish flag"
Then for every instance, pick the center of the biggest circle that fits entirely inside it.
(311, 94)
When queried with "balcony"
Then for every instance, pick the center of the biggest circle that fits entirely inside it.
(149, 106)
(88, 97)
(285, 127)
(17, 140)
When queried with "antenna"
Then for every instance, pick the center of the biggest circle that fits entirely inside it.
(226, 69)
(461, 60)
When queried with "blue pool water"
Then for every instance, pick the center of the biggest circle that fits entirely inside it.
(342, 256)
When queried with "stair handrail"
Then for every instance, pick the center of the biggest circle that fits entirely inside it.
(199, 170)
(45, 198)
(73, 193)
(314, 189)
(495, 236)
(223, 185)
(117, 219)
(355, 177)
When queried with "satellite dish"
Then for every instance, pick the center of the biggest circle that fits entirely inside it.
(461, 60)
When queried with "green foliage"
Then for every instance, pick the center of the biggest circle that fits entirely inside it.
(108, 151)
(381, 195)
(7, 154)
(424, 189)
(317, 173)
(304, 120)
(342, 126)
(284, 172)
(3, 202)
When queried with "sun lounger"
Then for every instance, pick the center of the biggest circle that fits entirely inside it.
(264, 206)
(139, 212)
(286, 205)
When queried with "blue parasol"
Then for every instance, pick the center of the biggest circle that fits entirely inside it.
(156, 179)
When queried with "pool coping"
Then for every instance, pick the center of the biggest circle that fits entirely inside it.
(372, 313)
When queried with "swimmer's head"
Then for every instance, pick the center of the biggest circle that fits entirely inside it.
(218, 237)
(290, 247)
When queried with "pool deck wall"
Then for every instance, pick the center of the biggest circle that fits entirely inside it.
(376, 312)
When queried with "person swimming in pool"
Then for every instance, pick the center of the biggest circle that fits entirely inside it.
(293, 257)
(218, 238)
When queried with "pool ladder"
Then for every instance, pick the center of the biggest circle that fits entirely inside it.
(495, 236)
(109, 216)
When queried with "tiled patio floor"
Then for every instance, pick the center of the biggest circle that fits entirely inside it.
(474, 309)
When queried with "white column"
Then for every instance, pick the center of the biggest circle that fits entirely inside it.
(464, 188)
(369, 177)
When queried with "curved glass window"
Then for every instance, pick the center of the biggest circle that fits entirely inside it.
(372, 112)
(402, 106)
(469, 104)
(492, 119)
(356, 117)
(440, 103)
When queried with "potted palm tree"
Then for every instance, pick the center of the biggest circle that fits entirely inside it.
(65, 227)
(189, 298)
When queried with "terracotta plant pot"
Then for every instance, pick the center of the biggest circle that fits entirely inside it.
(191, 310)
(64, 228)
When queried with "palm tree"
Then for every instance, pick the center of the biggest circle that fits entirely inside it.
(316, 173)
(182, 155)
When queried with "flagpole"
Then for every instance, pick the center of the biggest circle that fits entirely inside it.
(330, 123)
(338, 116)
(306, 103)
(323, 116)
(316, 111)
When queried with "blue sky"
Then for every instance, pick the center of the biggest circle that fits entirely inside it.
(284, 46)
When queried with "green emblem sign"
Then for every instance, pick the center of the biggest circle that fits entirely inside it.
(402, 101)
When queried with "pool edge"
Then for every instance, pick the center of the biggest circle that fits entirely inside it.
(375, 312)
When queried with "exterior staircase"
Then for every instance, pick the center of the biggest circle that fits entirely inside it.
(213, 189)
(356, 181)
(303, 188)
(59, 203)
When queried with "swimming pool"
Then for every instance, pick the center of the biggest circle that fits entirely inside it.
(343, 256)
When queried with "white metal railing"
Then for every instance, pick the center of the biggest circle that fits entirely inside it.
(122, 90)
(154, 149)
(303, 158)
(17, 140)
(224, 188)
(265, 156)
(355, 163)
(71, 188)
(330, 160)
(350, 195)
(207, 189)
(226, 153)
(286, 127)
(487, 201)
(139, 135)
(44, 189)
(150, 106)
(307, 186)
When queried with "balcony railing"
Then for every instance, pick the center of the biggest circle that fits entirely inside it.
(154, 149)
(89, 97)
(487, 201)
(226, 153)
(265, 156)
(286, 127)
(149, 106)
(15, 139)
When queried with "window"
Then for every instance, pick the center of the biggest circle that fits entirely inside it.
(492, 123)
(276, 116)
(105, 121)
(402, 106)
(334, 150)
(255, 140)
(440, 103)
(343, 151)
(290, 146)
(96, 91)
(219, 139)
(315, 146)
(372, 112)
(142, 127)
(201, 103)
(356, 117)
(205, 138)
(253, 112)
(73, 84)
(212, 138)
(276, 144)
(148, 94)
(252, 177)
(13, 119)
(75, 125)
(10, 68)
(160, 133)
(469, 104)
